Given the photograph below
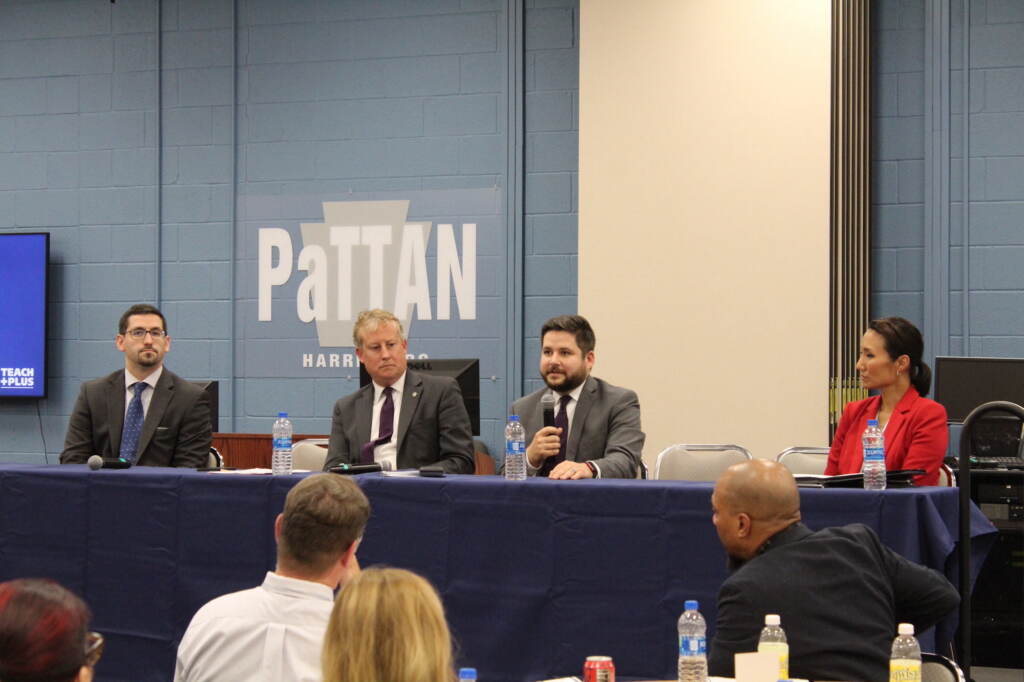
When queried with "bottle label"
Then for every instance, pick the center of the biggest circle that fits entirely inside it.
(904, 670)
(692, 646)
(874, 454)
(780, 649)
(515, 447)
(282, 444)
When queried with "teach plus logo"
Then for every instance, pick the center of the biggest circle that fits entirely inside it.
(17, 377)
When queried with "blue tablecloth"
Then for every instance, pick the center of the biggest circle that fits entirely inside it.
(535, 575)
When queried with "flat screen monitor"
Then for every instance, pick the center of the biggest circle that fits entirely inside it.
(212, 389)
(23, 273)
(465, 371)
(962, 384)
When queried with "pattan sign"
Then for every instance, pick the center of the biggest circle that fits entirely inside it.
(367, 255)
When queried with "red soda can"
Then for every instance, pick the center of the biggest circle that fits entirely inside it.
(599, 669)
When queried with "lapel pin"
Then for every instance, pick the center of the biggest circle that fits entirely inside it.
(414, 394)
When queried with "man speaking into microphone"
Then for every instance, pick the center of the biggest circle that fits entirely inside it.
(578, 426)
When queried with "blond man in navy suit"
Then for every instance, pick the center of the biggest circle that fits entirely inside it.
(175, 430)
(402, 419)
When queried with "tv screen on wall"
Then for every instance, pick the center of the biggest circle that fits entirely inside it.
(23, 281)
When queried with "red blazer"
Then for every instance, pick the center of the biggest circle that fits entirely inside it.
(916, 437)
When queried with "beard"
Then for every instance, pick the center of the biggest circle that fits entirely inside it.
(570, 382)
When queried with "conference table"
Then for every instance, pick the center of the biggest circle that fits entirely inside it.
(535, 575)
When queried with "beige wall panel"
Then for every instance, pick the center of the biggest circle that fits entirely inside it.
(703, 220)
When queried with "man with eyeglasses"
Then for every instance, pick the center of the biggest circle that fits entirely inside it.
(143, 413)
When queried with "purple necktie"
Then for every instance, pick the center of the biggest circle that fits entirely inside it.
(387, 427)
(561, 422)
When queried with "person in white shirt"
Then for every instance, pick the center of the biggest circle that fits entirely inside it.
(275, 632)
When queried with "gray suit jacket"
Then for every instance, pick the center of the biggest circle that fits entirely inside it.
(176, 433)
(433, 426)
(605, 427)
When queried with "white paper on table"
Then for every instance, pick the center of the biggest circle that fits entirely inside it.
(757, 666)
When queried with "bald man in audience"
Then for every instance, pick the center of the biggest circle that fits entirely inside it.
(839, 591)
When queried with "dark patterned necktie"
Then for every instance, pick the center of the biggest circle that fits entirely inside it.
(133, 423)
(387, 427)
(561, 422)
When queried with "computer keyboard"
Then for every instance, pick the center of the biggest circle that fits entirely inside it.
(998, 462)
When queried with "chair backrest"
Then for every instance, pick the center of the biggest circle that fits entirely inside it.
(946, 477)
(214, 460)
(700, 462)
(804, 460)
(936, 668)
(310, 454)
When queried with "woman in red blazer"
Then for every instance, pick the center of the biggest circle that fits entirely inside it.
(916, 434)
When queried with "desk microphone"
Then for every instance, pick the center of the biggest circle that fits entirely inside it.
(96, 462)
(547, 403)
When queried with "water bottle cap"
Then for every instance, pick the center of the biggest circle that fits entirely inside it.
(872, 422)
(467, 673)
(282, 415)
(691, 605)
(772, 619)
(906, 629)
(513, 417)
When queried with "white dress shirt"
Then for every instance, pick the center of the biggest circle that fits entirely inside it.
(387, 453)
(270, 633)
(147, 395)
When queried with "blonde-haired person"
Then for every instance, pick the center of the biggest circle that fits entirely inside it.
(388, 625)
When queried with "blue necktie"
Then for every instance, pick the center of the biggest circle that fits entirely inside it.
(133, 423)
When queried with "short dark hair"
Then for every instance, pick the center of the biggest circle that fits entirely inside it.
(139, 309)
(903, 338)
(576, 325)
(43, 627)
(323, 515)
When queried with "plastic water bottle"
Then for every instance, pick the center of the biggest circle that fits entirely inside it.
(693, 656)
(281, 460)
(773, 639)
(905, 663)
(467, 674)
(515, 450)
(874, 457)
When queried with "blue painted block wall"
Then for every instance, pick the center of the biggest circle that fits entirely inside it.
(995, 156)
(360, 98)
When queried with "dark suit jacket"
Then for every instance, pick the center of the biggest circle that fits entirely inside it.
(915, 437)
(840, 594)
(176, 433)
(433, 426)
(605, 427)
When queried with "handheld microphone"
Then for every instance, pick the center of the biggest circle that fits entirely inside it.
(547, 403)
(96, 462)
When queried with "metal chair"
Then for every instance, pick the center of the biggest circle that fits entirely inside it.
(703, 462)
(804, 460)
(937, 668)
(310, 454)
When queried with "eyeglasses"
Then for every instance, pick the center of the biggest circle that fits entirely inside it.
(140, 333)
(93, 648)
